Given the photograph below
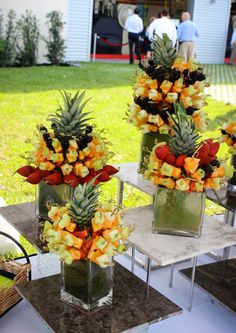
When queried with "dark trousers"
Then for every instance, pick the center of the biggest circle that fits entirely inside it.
(134, 41)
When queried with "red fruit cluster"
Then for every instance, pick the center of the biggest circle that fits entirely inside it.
(207, 151)
(163, 153)
(36, 175)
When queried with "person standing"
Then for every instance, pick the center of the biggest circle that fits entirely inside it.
(233, 46)
(187, 34)
(134, 26)
(148, 41)
(163, 25)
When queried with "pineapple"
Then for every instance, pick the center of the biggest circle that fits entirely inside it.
(164, 52)
(84, 203)
(184, 141)
(69, 120)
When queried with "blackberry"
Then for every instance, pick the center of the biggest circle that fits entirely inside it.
(190, 110)
(88, 129)
(43, 129)
(151, 62)
(152, 108)
(200, 75)
(142, 102)
(174, 75)
(208, 169)
(215, 163)
(223, 132)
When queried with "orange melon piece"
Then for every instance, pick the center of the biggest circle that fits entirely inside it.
(76, 254)
(191, 164)
(219, 172)
(71, 227)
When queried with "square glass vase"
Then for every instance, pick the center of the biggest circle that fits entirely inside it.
(86, 285)
(178, 213)
(148, 141)
(47, 195)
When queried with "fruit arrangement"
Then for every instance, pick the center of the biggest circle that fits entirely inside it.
(167, 80)
(84, 228)
(184, 164)
(229, 135)
(72, 153)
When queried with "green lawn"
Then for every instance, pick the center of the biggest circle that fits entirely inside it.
(29, 95)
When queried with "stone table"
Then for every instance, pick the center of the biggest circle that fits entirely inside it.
(22, 218)
(134, 306)
(169, 249)
(218, 280)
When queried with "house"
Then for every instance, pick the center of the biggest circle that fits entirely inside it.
(83, 17)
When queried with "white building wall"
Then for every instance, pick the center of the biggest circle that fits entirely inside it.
(212, 19)
(40, 8)
(79, 29)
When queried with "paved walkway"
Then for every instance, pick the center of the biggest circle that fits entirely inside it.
(223, 82)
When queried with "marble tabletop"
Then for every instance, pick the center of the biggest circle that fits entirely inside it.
(131, 306)
(217, 279)
(22, 218)
(168, 249)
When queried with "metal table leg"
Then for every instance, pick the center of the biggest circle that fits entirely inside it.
(172, 267)
(133, 259)
(190, 303)
(149, 265)
(120, 192)
(226, 252)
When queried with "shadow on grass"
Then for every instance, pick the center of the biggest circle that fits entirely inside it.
(44, 78)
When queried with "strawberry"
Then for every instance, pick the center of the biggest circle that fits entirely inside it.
(170, 159)
(25, 171)
(42, 173)
(103, 177)
(162, 152)
(203, 151)
(71, 180)
(110, 169)
(55, 178)
(214, 147)
(92, 172)
(180, 160)
(81, 234)
(33, 178)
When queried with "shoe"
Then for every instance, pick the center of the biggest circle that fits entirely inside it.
(229, 64)
(131, 63)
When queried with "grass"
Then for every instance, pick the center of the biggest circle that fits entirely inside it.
(29, 95)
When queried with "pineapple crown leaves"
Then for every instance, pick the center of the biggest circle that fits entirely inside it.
(84, 202)
(185, 139)
(164, 51)
(69, 120)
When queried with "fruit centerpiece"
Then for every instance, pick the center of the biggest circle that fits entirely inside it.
(71, 153)
(182, 169)
(166, 80)
(86, 235)
(228, 131)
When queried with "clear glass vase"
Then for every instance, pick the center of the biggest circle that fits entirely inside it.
(86, 285)
(178, 213)
(149, 140)
(47, 195)
(232, 181)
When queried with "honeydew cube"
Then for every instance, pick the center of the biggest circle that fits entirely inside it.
(104, 260)
(66, 169)
(142, 115)
(72, 156)
(64, 221)
(73, 145)
(166, 169)
(57, 157)
(100, 243)
(56, 145)
(97, 165)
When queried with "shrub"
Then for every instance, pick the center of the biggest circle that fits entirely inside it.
(55, 43)
(8, 40)
(29, 37)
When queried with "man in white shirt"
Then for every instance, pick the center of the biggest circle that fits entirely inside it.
(134, 26)
(163, 25)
